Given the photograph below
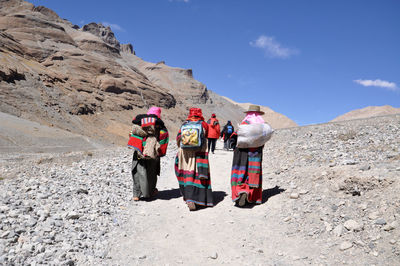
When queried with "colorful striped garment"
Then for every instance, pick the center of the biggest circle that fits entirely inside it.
(246, 175)
(193, 174)
(163, 140)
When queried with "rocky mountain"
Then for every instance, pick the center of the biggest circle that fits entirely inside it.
(276, 120)
(83, 80)
(366, 112)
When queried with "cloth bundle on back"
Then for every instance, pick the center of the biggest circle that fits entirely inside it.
(192, 166)
(253, 135)
(149, 139)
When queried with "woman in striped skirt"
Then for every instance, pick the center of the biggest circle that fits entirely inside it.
(246, 175)
(192, 167)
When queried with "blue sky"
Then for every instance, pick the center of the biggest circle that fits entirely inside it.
(310, 60)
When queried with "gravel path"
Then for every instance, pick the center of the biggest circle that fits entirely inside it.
(330, 198)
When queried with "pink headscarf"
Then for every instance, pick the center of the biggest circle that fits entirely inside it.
(154, 111)
(254, 118)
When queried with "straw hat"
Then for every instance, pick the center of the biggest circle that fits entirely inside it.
(254, 108)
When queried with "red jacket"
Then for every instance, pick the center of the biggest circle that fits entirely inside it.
(213, 128)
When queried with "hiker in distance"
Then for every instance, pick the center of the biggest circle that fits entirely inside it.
(246, 175)
(191, 163)
(226, 133)
(213, 132)
(149, 140)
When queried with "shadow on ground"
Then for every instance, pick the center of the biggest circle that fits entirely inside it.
(270, 192)
(218, 196)
(168, 194)
(266, 194)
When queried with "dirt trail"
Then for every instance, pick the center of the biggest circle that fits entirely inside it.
(163, 231)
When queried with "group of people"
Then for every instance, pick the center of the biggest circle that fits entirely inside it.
(149, 139)
(214, 132)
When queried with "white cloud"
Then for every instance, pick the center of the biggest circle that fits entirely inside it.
(377, 83)
(272, 48)
(114, 27)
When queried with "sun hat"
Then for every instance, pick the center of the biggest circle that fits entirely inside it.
(254, 108)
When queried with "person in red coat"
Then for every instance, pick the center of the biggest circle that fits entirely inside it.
(214, 131)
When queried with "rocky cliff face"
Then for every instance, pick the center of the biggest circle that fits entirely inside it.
(84, 81)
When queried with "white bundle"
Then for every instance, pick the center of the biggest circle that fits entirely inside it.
(253, 135)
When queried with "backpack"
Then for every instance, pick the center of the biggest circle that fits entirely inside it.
(192, 135)
(229, 129)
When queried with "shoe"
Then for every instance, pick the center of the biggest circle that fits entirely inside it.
(242, 199)
(191, 205)
(155, 192)
(135, 198)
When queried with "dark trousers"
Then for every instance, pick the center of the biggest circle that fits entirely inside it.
(211, 143)
(227, 141)
(226, 144)
(144, 176)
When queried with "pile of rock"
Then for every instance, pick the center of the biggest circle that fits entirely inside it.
(61, 209)
(342, 183)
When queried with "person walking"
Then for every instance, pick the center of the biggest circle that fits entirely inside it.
(246, 175)
(226, 133)
(149, 139)
(191, 163)
(213, 132)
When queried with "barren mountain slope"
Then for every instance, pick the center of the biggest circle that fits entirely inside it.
(84, 81)
(366, 112)
(54, 73)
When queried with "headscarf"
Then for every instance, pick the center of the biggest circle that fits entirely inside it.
(195, 114)
(155, 111)
(254, 118)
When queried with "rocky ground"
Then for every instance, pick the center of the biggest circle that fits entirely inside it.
(330, 198)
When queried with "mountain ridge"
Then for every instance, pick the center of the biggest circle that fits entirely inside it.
(367, 112)
(83, 80)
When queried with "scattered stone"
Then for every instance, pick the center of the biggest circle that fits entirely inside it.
(214, 256)
(338, 231)
(373, 215)
(380, 221)
(303, 192)
(73, 215)
(390, 226)
(328, 226)
(352, 225)
(349, 162)
(294, 195)
(365, 168)
(345, 245)
(82, 191)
